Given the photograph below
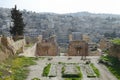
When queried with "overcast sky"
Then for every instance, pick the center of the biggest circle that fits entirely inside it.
(65, 6)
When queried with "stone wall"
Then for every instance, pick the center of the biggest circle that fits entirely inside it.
(86, 38)
(4, 52)
(47, 47)
(104, 44)
(9, 48)
(6, 45)
(3, 56)
(9, 43)
(78, 48)
(19, 45)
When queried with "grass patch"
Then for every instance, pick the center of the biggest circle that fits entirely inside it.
(95, 70)
(115, 70)
(80, 73)
(15, 68)
(63, 69)
(115, 67)
(46, 70)
(116, 41)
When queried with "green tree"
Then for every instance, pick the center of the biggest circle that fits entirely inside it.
(18, 25)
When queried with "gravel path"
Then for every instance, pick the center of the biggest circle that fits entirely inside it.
(36, 70)
(105, 74)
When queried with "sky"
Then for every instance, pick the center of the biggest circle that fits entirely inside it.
(65, 6)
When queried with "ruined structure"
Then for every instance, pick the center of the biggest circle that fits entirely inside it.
(78, 48)
(9, 47)
(47, 47)
(86, 38)
(114, 51)
(104, 44)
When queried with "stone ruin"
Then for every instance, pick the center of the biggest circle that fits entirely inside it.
(78, 48)
(114, 50)
(43, 47)
(104, 44)
(47, 47)
(10, 47)
(78, 45)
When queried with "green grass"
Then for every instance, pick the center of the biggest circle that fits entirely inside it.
(46, 70)
(116, 41)
(95, 70)
(63, 69)
(15, 68)
(115, 71)
(112, 60)
(115, 67)
(80, 73)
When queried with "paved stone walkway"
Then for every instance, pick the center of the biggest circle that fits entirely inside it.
(36, 70)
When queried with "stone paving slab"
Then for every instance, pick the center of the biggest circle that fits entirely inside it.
(53, 71)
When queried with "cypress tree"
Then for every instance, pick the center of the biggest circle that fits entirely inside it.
(18, 25)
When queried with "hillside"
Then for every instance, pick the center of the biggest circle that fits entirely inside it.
(63, 24)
